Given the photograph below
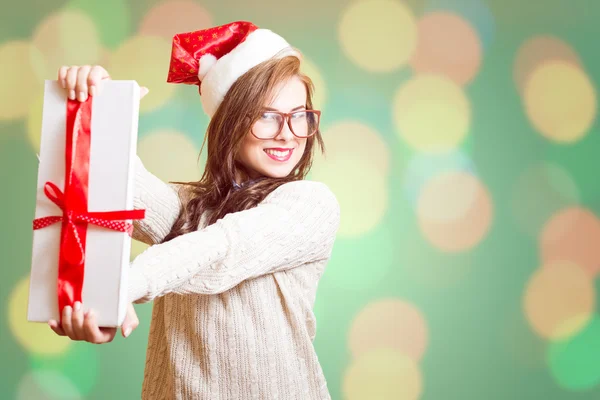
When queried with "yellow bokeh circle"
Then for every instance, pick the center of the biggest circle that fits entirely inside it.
(20, 65)
(392, 324)
(354, 141)
(560, 101)
(68, 37)
(559, 300)
(431, 113)
(145, 59)
(355, 167)
(537, 50)
(171, 156)
(378, 35)
(382, 374)
(35, 337)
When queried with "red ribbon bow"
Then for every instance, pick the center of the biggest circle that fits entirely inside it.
(73, 202)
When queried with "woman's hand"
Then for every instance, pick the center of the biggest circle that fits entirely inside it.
(83, 81)
(79, 326)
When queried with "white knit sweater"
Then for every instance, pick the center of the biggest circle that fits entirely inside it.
(233, 302)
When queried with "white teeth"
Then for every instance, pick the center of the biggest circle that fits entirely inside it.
(277, 153)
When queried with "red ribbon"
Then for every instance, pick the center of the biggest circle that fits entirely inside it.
(74, 204)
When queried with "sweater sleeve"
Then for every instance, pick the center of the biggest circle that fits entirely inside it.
(295, 224)
(161, 202)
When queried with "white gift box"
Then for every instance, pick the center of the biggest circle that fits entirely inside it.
(114, 127)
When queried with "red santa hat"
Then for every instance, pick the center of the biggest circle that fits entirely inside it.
(215, 58)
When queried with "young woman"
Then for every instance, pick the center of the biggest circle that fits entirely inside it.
(236, 257)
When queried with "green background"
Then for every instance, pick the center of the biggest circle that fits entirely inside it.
(403, 313)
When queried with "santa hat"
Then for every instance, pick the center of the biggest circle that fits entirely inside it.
(215, 58)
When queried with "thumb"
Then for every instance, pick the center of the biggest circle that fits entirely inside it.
(130, 322)
(143, 91)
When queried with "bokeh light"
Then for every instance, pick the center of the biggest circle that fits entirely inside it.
(454, 211)
(560, 101)
(145, 59)
(572, 234)
(383, 374)
(542, 189)
(357, 177)
(314, 73)
(378, 35)
(559, 300)
(79, 363)
(575, 362)
(424, 166)
(431, 113)
(47, 385)
(389, 323)
(35, 338)
(112, 19)
(171, 156)
(476, 12)
(447, 45)
(20, 66)
(537, 51)
(170, 17)
(68, 37)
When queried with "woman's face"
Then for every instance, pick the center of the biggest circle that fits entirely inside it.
(276, 156)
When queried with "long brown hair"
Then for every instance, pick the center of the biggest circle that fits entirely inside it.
(214, 194)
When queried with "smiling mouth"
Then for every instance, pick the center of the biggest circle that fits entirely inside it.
(280, 155)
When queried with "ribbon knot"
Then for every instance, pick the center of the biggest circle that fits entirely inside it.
(114, 220)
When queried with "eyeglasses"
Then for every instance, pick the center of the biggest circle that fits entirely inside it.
(302, 124)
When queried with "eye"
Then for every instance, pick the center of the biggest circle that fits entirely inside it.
(299, 115)
(268, 116)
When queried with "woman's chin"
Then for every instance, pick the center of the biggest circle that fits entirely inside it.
(276, 172)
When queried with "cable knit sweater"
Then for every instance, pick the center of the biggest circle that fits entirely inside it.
(233, 301)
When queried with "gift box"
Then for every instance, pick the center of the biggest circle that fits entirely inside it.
(84, 205)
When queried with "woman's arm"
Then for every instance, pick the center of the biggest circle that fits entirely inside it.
(294, 225)
(161, 202)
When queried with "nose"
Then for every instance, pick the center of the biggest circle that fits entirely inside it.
(285, 134)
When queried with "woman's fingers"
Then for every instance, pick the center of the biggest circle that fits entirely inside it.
(66, 321)
(93, 333)
(54, 325)
(81, 82)
(81, 86)
(97, 74)
(83, 326)
(71, 80)
(62, 76)
(77, 322)
(130, 322)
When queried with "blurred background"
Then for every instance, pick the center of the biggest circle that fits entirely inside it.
(462, 143)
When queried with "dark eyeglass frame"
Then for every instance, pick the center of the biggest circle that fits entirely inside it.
(287, 117)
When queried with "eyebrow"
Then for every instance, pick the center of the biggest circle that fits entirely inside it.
(293, 109)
